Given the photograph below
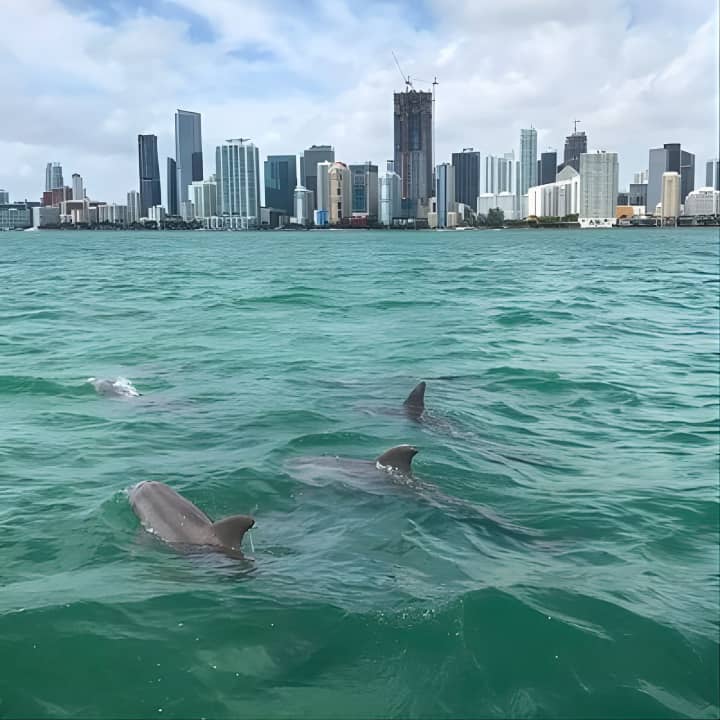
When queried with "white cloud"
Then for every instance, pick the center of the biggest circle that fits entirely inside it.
(79, 90)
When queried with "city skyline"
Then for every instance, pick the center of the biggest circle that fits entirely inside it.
(250, 79)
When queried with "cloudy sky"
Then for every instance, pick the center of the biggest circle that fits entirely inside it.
(81, 78)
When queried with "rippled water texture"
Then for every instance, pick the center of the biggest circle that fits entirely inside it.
(557, 555)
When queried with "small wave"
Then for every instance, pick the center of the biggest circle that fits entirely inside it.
(29, 385)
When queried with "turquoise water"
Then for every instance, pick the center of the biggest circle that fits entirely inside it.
(572, 418)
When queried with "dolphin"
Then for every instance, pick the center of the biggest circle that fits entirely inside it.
(119, 387)
(177, 521)
(414, 405)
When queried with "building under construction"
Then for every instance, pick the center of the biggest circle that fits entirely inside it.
(414, 148)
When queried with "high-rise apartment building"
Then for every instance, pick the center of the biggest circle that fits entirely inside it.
(390, 191)
(53, 176)
(4, 197)
(364, 188)
(188, 152)
(171, 192)
(340, 194)
(599, 174)
(238, 178)
(712, 174)
(445, 193)
(322, 195)
(575, 146)
(670, 195)
(413, 139)
(149, 173)
(308, 168)
(467, 172)
(280, 182)
(669, 158)
(204, 197)
(304, 203)
(547, 167)
(528, 160)
(499, 174)
(134, 210)
(78, 191)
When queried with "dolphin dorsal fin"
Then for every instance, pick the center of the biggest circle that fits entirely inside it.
(231, 530)
(415, 402)
(398, 458)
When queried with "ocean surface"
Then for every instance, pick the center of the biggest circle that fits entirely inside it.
(555, 557)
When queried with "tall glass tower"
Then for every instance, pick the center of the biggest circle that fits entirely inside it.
(528, 160)
(280, 182)
(149, 173)
(188, 151)
(238, 178)
(53, 176)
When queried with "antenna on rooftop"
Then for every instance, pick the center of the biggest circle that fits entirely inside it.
(575, 124)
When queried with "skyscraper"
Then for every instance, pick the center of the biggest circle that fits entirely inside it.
(364, 184)
(670, 195)
(548, 168)
(669, 158)
(188, 152)
(149, 172)
(467, 170)
(321, 200)
(712, 174)
(528, 160)
(4, 197)
(303, 199)
(78, 192)
(171, 192)
(339, 192)
(445, 192)
(203, 194)
(389, 191)
(640, 178)
(499, 173)
(53, 176)
(414, 147)
(599, 173)
(308, 167)
(280, 182)
(238, 177)
(575, 146)
(134, 212)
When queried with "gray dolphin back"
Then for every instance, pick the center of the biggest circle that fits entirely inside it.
(398, 458)
(230, 530)
(414, 404)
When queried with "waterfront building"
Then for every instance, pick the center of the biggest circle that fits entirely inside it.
(703, 201)
(444, 193)
(669, 158)
(508, 202)
(670, 196)
(188, 152)
(637, 194)
(575, 146)
(467, 171)
(556, 199)
(113, 214)
(157, 213)
(78, 191)
(499, 174)
(45, 216)
(309, 161)
(322, 192)
(53, 176)
(280, 182)
(134, 207)
(15, 216)
(171, 191)
(238, 180)
(4, 197)
(599, 173)
(204, 197)
(340, 206)
(712, 174)
(149, 173)
(528, 160)
(390, 194)
(547, 168)
(364, 189)
(187, 210)
(303, 206)
(413, 142)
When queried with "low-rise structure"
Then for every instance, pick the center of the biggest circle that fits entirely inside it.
(703, 201)
(556, 199)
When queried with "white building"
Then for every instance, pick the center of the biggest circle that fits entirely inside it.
(445, 194)
(238, 179)
(134, 209)
(556, 199)
(390, 188)
(44, 216)
(670, 195)
(157, 213)
(323, 186)
(113, 213)
(508, 202)
(78, 191)
(187, 210)
(703, 201)
(204, 197)
(640, 178)
(303, 203)
(599, 174)
(498, 174)
(339, 187)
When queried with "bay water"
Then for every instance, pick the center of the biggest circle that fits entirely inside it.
(572, 418)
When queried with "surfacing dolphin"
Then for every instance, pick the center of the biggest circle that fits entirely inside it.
(177, 521)
(414, 405)
(119, 387)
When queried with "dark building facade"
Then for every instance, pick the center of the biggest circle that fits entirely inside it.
(171, 187)
(414, 147)
(308, 166)
(364, 189)
(149, 173)
(669, 158)
(637, 195)
(188, 152)
(280, 182)
(575, 145)
(547, 170)
(467, 168)
(712, 174)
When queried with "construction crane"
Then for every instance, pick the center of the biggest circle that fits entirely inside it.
(575, 124)
(406, 78)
